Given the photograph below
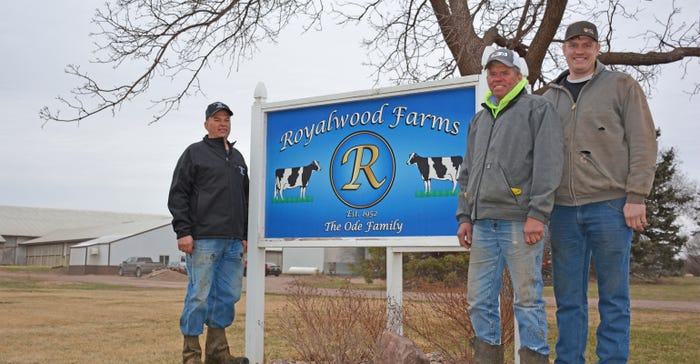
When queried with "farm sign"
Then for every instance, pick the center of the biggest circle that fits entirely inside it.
(381, 165)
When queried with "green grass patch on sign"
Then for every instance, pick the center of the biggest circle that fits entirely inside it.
(437, 193)
(293, 200)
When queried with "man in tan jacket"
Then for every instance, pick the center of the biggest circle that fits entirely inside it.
(609, 164)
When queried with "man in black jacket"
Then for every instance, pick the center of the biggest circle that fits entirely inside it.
(209, 203)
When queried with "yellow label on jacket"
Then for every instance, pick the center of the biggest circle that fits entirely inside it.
(516, 191)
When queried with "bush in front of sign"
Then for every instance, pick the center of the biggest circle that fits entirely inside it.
(441, 319)
(339, 328)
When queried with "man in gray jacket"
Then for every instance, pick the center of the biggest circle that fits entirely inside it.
(609, 164)
(507, 181)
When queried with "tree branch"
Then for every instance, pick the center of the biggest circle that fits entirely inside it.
(413, 41)
(176, 39)
(648, 58)
(553, 14)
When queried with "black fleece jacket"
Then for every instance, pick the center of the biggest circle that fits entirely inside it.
(209, 193)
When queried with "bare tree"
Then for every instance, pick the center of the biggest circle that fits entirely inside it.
(437, 39)
(176, 40)
(412, 41)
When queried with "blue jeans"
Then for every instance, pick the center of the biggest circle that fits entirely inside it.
(595, 230)
(215, 282)
(496, 244)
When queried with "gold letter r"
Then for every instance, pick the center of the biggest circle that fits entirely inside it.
(359, 150)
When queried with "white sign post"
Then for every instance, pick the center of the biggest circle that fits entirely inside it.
(255, 275)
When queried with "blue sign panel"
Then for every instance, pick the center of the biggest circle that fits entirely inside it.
(382, 167)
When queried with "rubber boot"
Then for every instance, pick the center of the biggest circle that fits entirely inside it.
(191, 351)
(528, 356)
(216, 349)
(485, 353)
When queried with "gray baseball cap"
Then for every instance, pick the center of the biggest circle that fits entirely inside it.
(215, 107)
(505, 56)
(581, 28)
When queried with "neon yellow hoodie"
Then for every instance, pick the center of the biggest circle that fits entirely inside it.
(495, 106)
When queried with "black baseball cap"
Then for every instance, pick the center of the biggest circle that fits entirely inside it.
(215, 107)
(582, 28)
(505, 56)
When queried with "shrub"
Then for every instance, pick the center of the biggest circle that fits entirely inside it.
(373, 267)
(340, 328)
(446, 268)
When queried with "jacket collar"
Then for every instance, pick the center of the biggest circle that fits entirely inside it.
(599, 68)
(216, 142)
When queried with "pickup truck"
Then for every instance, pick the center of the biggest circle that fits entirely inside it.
(138, 266)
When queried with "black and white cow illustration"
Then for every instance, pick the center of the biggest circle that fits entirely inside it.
(294, 177)
(441, 168)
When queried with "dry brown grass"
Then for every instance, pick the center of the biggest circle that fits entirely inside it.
(76, 325)
(63, 322)
(59, 322)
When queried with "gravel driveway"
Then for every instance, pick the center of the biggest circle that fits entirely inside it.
(170, 279)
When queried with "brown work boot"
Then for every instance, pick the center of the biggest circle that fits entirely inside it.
(216, 349)
(191, 351)
(485, 353)
(528, 356)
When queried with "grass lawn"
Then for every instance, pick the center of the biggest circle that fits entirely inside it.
(61, 322)
(665, 289)
(657, 336)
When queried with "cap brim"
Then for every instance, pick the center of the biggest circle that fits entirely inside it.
(505, 63)
(220, 109)
(580, 35)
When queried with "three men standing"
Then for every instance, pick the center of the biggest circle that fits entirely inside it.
(601, 166)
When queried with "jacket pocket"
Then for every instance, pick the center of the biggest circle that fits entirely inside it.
(592, 176)
(496, 188)
(586, 158)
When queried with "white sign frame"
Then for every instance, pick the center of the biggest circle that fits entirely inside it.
(258, 163)
(255, 284)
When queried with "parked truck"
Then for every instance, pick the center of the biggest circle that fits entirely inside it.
(138, 266)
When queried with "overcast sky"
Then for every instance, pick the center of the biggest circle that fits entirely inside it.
(123, 164)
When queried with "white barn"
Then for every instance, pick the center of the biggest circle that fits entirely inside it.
(95, 242)
(43, 236)
(102, 255)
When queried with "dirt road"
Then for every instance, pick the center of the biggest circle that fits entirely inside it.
(173, 280)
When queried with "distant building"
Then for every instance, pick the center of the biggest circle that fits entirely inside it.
(45, 237)
(332, 261)
(116, 243)
(95, 242)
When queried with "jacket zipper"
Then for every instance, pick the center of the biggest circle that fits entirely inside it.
(574, 104)
(229, 173)
(570, 182)
(571, 153)
(483, 167)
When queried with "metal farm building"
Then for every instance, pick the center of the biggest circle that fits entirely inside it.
(84, 241)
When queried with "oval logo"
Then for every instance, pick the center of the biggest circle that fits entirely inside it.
(362, 169)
